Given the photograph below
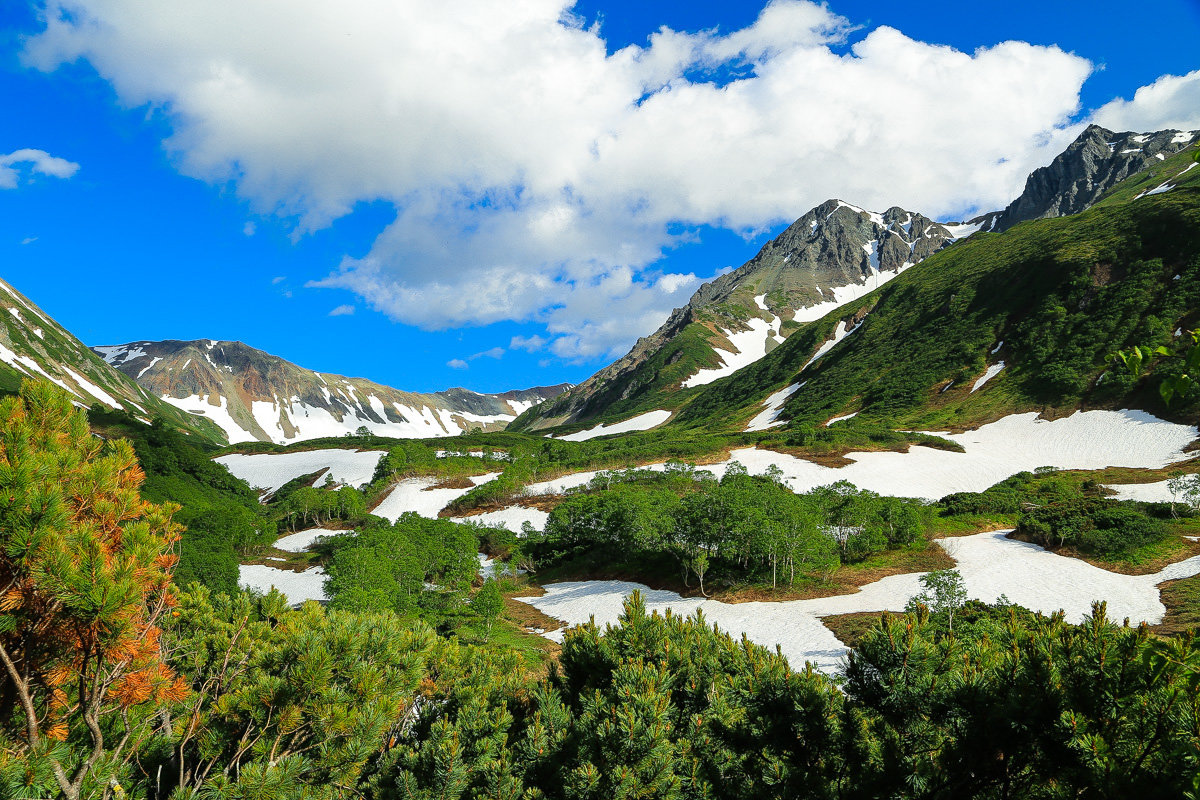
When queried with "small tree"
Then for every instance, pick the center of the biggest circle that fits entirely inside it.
(943, 592)
(488, 603)
(1186, 488)
(85, 579)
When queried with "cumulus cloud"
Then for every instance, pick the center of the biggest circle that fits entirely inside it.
(1172, 101)
(535, 175)
(457, 363)
(342, 311)
(38, 161)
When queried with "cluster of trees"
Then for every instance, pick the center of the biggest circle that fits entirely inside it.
(744, 527)
(1056, 510)
(308, 507)
(388, 566)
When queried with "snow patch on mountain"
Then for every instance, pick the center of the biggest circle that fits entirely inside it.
(991, 372)
(772, 406)
(219, 414)
(642, 422)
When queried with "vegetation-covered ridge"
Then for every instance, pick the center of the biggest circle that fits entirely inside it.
(1051, 299)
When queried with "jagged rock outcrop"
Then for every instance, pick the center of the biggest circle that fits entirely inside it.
(1090, 167)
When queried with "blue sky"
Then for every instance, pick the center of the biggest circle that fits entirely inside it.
(519, 217)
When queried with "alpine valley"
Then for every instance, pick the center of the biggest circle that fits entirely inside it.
(899, 508)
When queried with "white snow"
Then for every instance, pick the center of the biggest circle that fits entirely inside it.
(839, 333)
(92, 389)
(415, 495)
(876, 217)
(29, 366)
(1156, 492)
(314, 422)
(989, 563)
(301, 540)
(153, 361)
(642, 422)
(512, 517)
(1165, 186)
(991, 372)
(269, 471)
(769, 416)
(195, 404)
(993, 452)
(1160, 156)
(749, 346)
(872, 250)
(996, 349)
(839, 419)
(1183, 136)
(846, 294)
(297, 586)
(962, 230)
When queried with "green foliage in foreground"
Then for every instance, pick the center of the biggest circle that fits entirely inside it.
(221, 514)
(1010, 706)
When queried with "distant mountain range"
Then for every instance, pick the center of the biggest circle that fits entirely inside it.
(833, 255)
(230, 392)
(252, 395)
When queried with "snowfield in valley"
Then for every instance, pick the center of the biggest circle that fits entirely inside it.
(296, 586)
(990, 564)
(269, 471)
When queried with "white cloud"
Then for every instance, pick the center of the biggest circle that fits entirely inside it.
(494, 352)
(278, 279)
(29, 240)
(342, 311)
(457, 363)
(534, 175)
(530, 344)
(249, 228)
(1172, 101)
(38, 161)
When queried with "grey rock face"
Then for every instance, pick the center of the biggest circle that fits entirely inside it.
(1079, 176)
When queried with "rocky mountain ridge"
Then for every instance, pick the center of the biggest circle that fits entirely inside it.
(252, 395)
(832, 255)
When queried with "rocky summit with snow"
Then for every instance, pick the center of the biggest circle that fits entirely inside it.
(252, 395)
(834, 254)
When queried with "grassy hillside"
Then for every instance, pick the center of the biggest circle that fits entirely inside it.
(1053, 298)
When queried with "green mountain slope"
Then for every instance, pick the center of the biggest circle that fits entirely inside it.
(33, 345)
(1051, 299)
